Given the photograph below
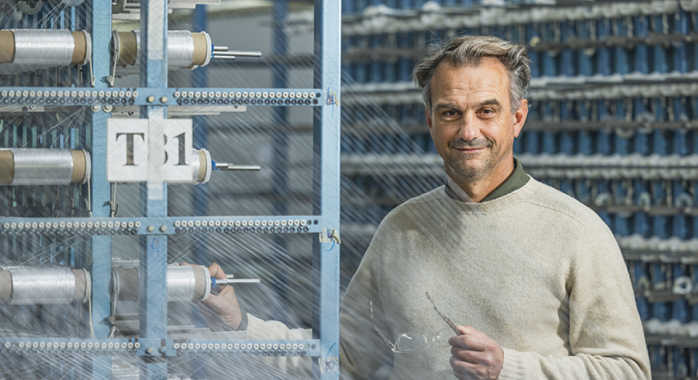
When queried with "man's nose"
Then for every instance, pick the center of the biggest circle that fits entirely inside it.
(469, 127)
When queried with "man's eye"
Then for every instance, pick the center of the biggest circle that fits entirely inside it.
(450, 113)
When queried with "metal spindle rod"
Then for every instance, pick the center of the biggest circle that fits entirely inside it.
(227, 166)
(251, 54)
(220, 48)
(238, 280)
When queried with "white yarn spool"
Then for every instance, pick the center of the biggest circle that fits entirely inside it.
(27, 50)
(35, 167)
(184, 50)
(184, 283)
(44, 285)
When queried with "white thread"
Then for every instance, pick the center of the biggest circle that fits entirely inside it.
(40, 48)
(42, 286)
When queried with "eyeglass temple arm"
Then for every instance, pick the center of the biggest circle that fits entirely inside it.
(385, 339)
(448, 321)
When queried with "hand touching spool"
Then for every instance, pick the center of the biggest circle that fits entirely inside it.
(184, 283)
(62, 285)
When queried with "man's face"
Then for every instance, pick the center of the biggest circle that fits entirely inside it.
(471, 120)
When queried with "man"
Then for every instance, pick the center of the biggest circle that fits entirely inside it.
(534, 279)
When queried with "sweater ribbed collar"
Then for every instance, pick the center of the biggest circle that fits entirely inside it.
(515, 181)
(525, 193)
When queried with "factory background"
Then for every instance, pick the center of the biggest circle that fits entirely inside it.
(612, 122)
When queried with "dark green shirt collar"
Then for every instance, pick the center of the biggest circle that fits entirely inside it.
(515, 181)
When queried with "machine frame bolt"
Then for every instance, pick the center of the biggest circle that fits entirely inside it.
(163, 99)
(149, 350)
(151, 228)
(163, 228)
(150, 99)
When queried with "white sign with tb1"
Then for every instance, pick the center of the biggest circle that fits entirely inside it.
(127, 150)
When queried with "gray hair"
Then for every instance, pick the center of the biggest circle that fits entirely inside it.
(469, 51)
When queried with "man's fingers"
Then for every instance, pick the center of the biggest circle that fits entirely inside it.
(467, 330)
(227, 290)
(468, 342)
(466, 355)
(464, 370)
(486, 359)
(216, 271)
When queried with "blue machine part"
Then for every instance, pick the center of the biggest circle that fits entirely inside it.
(567, 55)
(658, 357)
(405, 65)
(660, 144)
(641, 29)
(621, 60)
(549, 143)
(584, 58)
(679, 309)
(376, 66)
(585, 141)
(682, 26)
(326, 137)
(603, 56)
(681, 362)
(603, 142)
(531, 34)
(583, 191)
(549, 59)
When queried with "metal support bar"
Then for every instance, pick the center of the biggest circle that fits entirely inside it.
(326, 142)
(153, 306)
(99, 189)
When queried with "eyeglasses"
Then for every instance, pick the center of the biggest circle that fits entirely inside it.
(413, 341)
(448, 321)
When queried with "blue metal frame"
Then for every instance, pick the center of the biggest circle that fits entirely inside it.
(200, 79)
(326, 142)
(153, 261)
(279, 146)
(100, 189)
(154, 97)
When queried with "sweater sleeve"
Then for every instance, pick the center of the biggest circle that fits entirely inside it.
(606, 339)
(361, 350)
(294, 366)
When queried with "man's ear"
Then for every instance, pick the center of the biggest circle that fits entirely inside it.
(520, 117)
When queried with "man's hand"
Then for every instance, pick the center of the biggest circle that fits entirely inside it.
(475, 356)
(221, 310)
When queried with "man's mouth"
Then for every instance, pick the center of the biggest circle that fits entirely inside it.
(471, 149)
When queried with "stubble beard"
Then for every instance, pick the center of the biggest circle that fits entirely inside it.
(463, 169)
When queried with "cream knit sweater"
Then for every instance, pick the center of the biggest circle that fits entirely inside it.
(535, 270)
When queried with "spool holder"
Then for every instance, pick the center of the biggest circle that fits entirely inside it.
(125, 49)
(160, 226)
(55, 96)
(162, 347)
